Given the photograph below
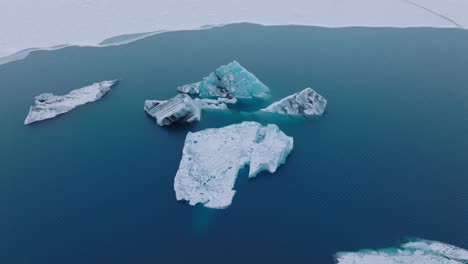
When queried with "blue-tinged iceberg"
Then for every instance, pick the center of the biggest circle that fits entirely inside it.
(213, 157)
(181, 108)
(228, 81)
(307, 103)
(48, 105)
(418, 251)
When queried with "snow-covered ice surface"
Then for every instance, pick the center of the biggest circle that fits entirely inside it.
(417, 251)
(41, 24)
(181, 108)
(49, 106)
(230, 82)
(306, 102)
(212, 158)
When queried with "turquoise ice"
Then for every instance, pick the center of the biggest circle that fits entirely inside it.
(228, 81)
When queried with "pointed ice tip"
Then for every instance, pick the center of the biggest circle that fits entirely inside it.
(28, 119)
(112, 83)
(27, 122)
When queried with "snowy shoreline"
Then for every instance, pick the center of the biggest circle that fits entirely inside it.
(22, 54)
(26, 52)
(118, 22)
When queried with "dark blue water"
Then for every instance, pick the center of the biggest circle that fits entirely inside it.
(388, 160)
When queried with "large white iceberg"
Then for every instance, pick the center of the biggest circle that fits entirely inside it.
(417, 251)
(229, 81)
(181, 108)
(213, 157)
(307, 102)
(48, 105)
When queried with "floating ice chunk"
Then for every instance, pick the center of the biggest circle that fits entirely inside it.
(213, 157)
(48, 105)
(438, 248)
(414, 252)
(307, 103)
(180, 108)
(228, 81)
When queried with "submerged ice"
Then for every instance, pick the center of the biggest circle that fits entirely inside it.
(180, 108)
(228, 81)
(212, 158)
(413, 252)
(48, 105)
(307, 102)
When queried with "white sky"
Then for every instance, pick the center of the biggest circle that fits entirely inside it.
(33, 23)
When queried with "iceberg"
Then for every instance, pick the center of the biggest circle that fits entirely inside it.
(212, 158)
(413, 252)
(49, 106)
(228, 81)
(307, 103)
(181, 108)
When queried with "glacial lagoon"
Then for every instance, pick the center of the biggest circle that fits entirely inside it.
(387, 159)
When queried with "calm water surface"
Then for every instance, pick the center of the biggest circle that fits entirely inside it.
(388, 160)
